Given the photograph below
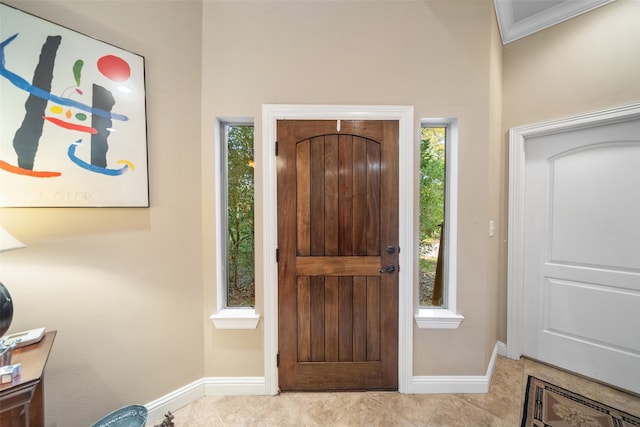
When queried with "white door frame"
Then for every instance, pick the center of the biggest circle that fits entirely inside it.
(271, 113)
(517, 140)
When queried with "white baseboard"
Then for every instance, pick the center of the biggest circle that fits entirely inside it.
(234, 386)
(208, 386)
(436, 384)
(175, 400)
(252, 386)
(502, 349)
(455, 384)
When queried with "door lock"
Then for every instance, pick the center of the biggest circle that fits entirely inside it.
(390, 268)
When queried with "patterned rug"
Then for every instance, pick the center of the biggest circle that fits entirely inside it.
(547, 405)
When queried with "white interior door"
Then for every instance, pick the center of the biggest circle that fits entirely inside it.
(581, 251)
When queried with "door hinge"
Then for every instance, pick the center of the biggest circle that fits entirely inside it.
(276, 148)
(278, 360)
(277, 254)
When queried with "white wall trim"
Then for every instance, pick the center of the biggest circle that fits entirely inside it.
(438, 318)
(502, 349)
(256, 386)
(512, 30)
(175, 400)
(234, 386)
(450, 384)
(445, 317)
(208, 386)
(404, 114)
(235, 318)
(225, 317)
(517, 162)
(438, 384)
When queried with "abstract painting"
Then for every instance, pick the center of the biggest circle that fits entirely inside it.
(72, 118)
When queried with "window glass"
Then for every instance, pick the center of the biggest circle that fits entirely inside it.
(240, 272)
(432, 215)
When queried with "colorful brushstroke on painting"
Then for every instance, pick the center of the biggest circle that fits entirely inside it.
(27, 137)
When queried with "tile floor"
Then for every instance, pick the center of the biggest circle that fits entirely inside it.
(502, 406)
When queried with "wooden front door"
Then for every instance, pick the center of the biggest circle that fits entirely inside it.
(338, 254)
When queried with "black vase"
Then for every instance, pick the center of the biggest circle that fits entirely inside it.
(6, 310)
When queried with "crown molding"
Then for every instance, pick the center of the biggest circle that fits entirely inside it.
(511, 30)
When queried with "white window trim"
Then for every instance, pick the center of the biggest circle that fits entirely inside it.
(271, 113)
(235, 318)
(446, 317)
(226, 317)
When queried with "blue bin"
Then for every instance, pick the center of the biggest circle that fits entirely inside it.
(129, 416)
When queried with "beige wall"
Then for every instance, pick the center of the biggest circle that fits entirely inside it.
(585, 64)
(439, 57)
(130, 290)
(496, 162)
(132, 282)
(123, 287)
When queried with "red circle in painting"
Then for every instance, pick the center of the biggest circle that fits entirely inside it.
(114, 68)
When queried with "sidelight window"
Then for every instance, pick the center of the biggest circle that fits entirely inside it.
(437, 231)
(238, 211)
(235, 241)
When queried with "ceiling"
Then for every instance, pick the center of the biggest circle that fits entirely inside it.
(520, 18)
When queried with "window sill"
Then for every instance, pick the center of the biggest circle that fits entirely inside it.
(235, 318)
(438, 318)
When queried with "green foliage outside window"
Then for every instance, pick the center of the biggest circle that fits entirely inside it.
(432, 199)
(240, 216)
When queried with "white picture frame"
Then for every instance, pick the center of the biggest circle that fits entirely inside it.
(72, 118)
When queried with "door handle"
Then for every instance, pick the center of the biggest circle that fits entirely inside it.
(390, 268)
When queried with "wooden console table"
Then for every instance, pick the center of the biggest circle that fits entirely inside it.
(22, 401)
